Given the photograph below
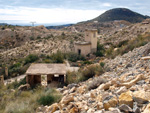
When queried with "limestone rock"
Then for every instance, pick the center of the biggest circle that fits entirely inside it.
(53, 108)
(125, 108)
(72, 90)
(91, 111)
(145, 58)
(24, 87)
(137, 110)
(82, 89)
(134, 81)
(66, 99)
(147, 109)
(141, 96)
(74, 110)
(110, 101)
(121, 90)
(126, 98)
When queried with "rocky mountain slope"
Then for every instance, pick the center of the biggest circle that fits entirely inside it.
(120, 14)
(124, 88)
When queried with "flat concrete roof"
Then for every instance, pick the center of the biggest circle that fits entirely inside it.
(46, 69)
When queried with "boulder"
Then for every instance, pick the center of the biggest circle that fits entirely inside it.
(58, 111)
(82, 89)
(121, 90)
(91, 110)
(146, 58)
(126, 98)
(125, 108)
(132, 82)
(24, 87)
(72, 90)
(137, 110)
(66, 99)
(110, 101)
(99, 98)
(141, 97)
(147, 109)
(74, 110)
(53, 108)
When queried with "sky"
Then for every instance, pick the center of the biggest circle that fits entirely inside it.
(63, 11)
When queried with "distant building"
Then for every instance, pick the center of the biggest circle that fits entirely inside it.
(89, 45)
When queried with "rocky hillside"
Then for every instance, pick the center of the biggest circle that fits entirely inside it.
(125, 33)
(16, 36)
(120, 14)
(124, 88)
(18, 42)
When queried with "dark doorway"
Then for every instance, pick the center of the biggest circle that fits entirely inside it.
(79, 51)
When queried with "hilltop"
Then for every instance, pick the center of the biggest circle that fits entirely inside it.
(120, 14)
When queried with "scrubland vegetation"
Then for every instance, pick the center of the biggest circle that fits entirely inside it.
(13, 100)
(127, 45)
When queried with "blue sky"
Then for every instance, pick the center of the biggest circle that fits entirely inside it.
(63, 11)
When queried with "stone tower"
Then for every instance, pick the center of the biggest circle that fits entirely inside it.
(91, 36)
(89, 45)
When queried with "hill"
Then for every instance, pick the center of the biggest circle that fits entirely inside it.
(59, 26)
(120, 14)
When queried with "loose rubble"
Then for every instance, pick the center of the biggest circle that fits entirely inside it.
(127, 89)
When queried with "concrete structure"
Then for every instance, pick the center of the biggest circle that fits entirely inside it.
(2, 80)
(53, 72)
(89, 45)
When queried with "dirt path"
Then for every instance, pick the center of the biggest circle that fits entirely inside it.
(18, 78)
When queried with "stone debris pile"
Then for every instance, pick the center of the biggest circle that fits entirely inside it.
(125, 88)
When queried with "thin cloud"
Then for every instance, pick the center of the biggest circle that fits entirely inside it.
(45, 15)
(106, 4)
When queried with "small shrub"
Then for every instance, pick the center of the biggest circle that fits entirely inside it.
(89, 71)
(3, 28)
(100, 50)
(49, 97)
(73, 57)
(102, 64)
(92, 71)
(46, 100)
(57, 57)
(31, 38)
(74, 77)
(31, 58)
(38, 37)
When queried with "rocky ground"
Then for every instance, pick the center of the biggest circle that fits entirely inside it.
(124, 88)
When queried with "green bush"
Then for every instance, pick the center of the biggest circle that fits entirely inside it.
(38, 37)
(89, 71)
(31, 38)
(73, 57)
(57, 57)
(93, 70)
(100, 50)
(46, 100)
(14, 69)
(31, 58)
(49, 97)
